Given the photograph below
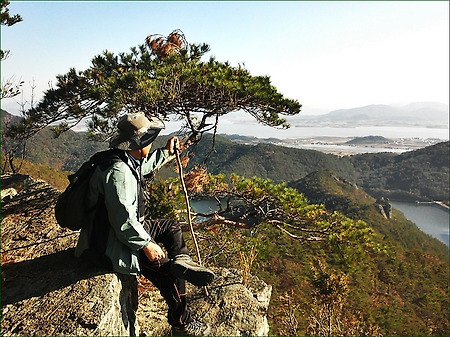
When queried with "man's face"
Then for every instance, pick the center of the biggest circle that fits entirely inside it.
(146, 150)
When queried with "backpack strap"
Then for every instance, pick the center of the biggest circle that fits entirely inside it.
(105, 159)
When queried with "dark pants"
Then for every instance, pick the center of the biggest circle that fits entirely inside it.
(172, 289)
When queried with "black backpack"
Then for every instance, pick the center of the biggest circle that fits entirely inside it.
(71, 210)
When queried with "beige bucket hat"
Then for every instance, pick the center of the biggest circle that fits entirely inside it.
(136, 131)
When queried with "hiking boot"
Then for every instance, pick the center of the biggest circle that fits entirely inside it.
(194, 328)
(183, 267)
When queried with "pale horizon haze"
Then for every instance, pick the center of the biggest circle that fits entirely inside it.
(327, 55)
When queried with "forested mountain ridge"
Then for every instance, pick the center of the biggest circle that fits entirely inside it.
(408, 176)
(65, 153)
(277, 163)
(416, 175)
(391, 283)
(337, 194)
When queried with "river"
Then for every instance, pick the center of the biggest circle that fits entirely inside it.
(430, 218)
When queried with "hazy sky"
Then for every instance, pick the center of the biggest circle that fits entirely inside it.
(328, 55)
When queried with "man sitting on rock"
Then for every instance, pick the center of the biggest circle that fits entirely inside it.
(121, 239)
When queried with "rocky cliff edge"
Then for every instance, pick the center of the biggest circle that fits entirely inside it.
(46, 291)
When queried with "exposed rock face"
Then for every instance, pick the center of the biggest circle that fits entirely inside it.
(13, 184)
(96, 305)
(46, 291)
(231, 308)
(384, 207)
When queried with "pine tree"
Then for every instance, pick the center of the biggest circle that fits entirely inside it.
(163, 77)
(8, 20)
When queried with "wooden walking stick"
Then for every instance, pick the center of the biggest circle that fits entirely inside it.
(188, 209)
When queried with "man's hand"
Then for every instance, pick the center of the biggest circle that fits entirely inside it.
(153, 252)
(172, 144)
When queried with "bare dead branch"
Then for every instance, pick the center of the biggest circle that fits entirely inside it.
(303, 229)
(301, 238)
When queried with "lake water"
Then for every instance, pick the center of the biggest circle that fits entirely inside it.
(206, 205)
(431, 219)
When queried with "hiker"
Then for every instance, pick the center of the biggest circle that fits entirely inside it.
(119, 237)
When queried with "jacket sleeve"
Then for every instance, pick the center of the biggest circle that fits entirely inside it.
(121, 203)
(155, 160)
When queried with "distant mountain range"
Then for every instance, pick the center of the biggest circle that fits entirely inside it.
(423, 114)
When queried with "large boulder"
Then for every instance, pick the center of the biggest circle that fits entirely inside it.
(227, 305)
(46, 291)
(52, 296)
(232, 308)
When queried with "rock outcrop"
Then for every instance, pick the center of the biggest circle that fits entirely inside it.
(13, 184)
(46, 291)
(384, 207)
(231, 308)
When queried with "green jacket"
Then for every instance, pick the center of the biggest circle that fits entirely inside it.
(120, 188)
